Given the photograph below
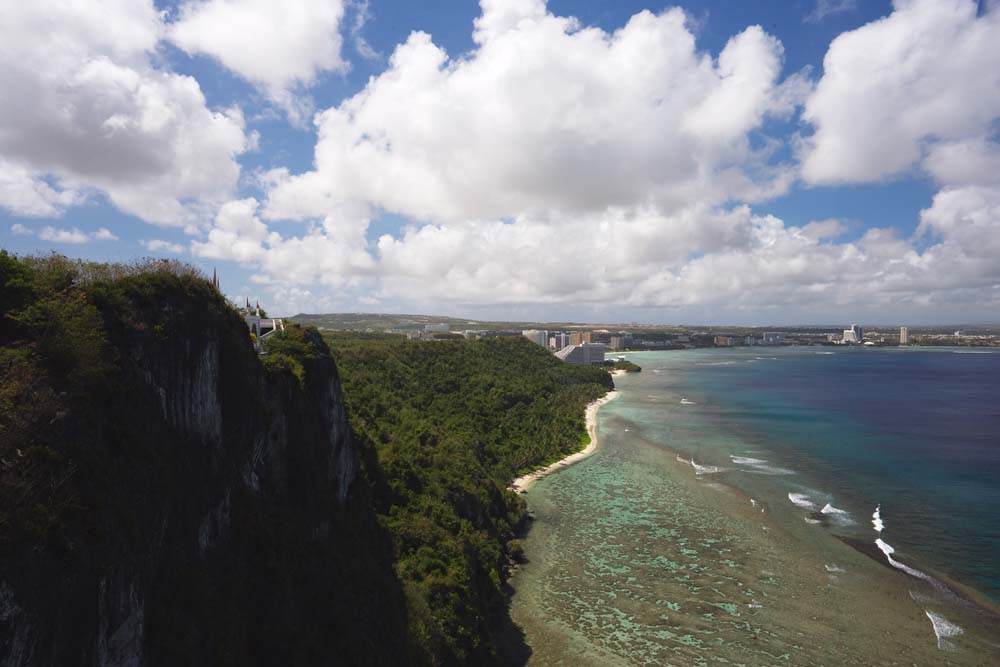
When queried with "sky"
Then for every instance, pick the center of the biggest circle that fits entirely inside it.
(708, 162)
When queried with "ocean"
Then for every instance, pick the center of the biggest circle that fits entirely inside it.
(829, 505)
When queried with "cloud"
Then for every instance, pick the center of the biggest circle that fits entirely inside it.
(102, 116)
(330, 253)
(914, 89)
(104, 234)
(160, 246)
(556, 164)
(973, 161)
(57, 235)
(553, 165)
(74, 235)
(25, 192)
(545, 115)
(281, 47)
(825, 8)
(237, 234)
(362, 14)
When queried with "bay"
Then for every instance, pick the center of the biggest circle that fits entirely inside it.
(727, 514)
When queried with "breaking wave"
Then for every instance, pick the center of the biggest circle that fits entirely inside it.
(760, 466)
(877, 519)
(803, 501)
(706, 470)
(943, 628)
(840, 516)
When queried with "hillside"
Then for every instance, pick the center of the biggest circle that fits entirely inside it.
(451, 423)
(167, 496)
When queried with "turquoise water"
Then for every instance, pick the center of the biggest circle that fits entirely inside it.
(726, 517)
(916, 431)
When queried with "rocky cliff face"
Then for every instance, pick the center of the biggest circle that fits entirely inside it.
(210, 511)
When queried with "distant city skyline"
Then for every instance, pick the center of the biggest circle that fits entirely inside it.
(701, 162)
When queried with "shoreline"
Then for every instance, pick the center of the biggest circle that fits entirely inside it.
(524, 482)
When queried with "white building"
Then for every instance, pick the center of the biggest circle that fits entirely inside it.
(537, 336)
(584, 354)
(259, 327)
(854, 335)
(904, 336)
(773, 338)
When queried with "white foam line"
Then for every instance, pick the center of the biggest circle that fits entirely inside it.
(802, 500)
(760, 466)
(943, 628)
(705, 470)
(877, 519)
(839, 515)
(887, 549)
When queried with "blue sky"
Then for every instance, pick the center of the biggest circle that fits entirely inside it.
(542, 169)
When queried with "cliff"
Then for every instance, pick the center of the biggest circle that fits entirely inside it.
(166, 498)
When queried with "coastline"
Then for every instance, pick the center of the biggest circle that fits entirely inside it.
(719, 565)
(522, 483)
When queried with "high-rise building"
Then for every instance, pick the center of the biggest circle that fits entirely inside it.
(855, 334)
(537, 336)
(585, 354)
(904, 336)
(617, 343)
(580, 337)
(558, 341)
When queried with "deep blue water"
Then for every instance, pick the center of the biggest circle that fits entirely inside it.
(915, 430)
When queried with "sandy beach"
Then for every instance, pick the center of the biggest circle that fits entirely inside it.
(522, 483)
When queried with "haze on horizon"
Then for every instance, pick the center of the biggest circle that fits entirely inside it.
(820, 161)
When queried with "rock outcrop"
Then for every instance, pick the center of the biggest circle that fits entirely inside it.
(211, 510)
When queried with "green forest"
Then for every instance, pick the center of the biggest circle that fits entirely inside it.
(446, 425)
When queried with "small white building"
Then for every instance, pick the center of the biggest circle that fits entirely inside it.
(259, 327)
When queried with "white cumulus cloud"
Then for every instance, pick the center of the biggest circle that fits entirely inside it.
(922, 81)
(24, 192)
(279, 46)
(56, 235)
(103, 116)
(161, 246)
(545, 115)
